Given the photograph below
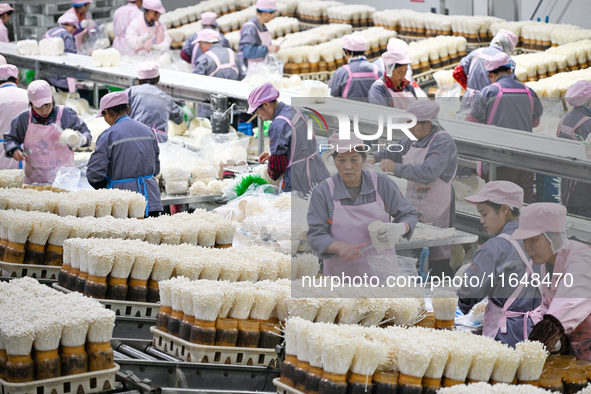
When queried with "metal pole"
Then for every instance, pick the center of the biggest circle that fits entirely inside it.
(261, 135)
(96, 95)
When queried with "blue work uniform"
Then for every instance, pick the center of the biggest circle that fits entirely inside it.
(126, 157)
(495, 257)
(250, 44)
(189, 46)
(321, 209)
(380, 94)
(345, 83)
(149, 105)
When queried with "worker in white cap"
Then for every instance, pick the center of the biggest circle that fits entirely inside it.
(79, 10)
(293, 157)
(5, 13)
(565, 269)
(13, 101)
(67, 25)
(508, 317)
(510, 104)
(121, 20)
(38, 131)
(344, 206)
(429, 165)
(145, 32)
(395, 44)
(354, 79)
(191, 51)
(150, 105)
(126, 154)
(255, 38)
(393, 89)
(576, 126)
(471, 73)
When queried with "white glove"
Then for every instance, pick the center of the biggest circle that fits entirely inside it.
(73, 138)
(162, 47)
(391, 232)
(145, 37)
(84, 24)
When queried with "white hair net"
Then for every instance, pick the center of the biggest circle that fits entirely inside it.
(557, 241)
(503, 41)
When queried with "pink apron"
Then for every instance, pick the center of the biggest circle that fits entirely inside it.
(265, 37)
(495, 106)
(156, 31)
(495, 317)
(349, 224)
(352, 75)
(432, 200)
(400, 99)
(70, 81)
(570, 131)
(44, 154)
(8, 163)
(219, 66)
(296, 176)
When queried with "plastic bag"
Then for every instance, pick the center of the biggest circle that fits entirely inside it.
(71, 179)
(553, 112)
(384, 265)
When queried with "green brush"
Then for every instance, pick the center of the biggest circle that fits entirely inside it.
(242, 186)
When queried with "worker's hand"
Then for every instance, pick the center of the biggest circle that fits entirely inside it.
(81, 141)
(18, 155)
(145, 37)
(273, 48)
(371, 159)
(264, 157)
(387, 165)
(391, 232)
(84, 24)
(351, 252)
(162, 47)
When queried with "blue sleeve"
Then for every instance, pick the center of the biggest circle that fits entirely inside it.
(279, 138)
(200, 66)
(224, 41)
(98, 164)
(16, 136)
(466, 61)
(397, 205)
(538, 108)
(319, 221)
(70, 120)
(480, 106)
(176, 112)
(396, 157)
(254, 52)
(337, 82)
(441, 151)
(250, 44)
(378, 95)
(69, 44)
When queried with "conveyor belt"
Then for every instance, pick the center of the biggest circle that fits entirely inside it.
(146, 369)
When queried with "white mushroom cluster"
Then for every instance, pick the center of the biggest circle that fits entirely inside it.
(436, 52)
(557, 85)
(11, 178)
(356, 15)
(540, 35)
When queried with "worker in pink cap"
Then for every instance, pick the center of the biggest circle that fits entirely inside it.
(85, 24)
(429, 165)
(126, 154)
(575, 126)
(145, 32)
(395, 44)
(471, 73)
(354, 79)
(508, 317)
(38, 131)
(121, 20)
(510, 104)
(67, 24)
(215, 61)
(13, 101)
(191, 51)
(255, 38)
(344, 205)
(5, 13)
(293, 156)
(393, 89)
(565, 266)
(150, 105)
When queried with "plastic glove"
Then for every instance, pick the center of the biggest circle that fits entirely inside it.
(84, 24)
(162, 47)
(391, 232)
(72, 138)
(145, 37)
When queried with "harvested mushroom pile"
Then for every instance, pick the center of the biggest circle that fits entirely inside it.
(135, 268)
(84, 203)
(11, 178)
(410, 360)
(70, 334)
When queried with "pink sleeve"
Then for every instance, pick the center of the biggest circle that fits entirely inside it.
(120, 22)
(3, 33)
(571, 304)
(167, 38)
